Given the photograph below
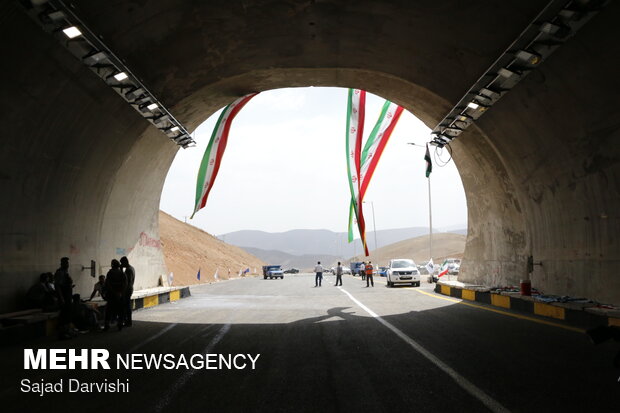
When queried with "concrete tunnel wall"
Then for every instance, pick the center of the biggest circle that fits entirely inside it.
(82, 172)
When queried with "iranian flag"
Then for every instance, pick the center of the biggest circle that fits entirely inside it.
(212, 158)
(379, 137)
(444, 269)
(356, 109)
(366, 161)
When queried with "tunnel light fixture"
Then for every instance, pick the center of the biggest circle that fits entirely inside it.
(528, 57)
(120, 76)
(61, 21)
(72, 32)
(555, 24)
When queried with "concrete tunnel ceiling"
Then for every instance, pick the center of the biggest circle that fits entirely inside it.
(82, 172)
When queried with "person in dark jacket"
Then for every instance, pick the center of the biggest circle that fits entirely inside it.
(115, 287)
(42, 295)
(63, 284)
(98, 288)
(130, 273)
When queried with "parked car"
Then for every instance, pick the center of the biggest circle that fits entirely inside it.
(382, 271)
(422, 269)
(454, 267)
(403, 271)
(292, 271)
(346, 270)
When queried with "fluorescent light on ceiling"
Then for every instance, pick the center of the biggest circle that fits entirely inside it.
(72, 32)
(120, 76)
(152, 106)
(174, 129)
(473, 105)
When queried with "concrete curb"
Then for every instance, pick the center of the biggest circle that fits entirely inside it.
(44, 324)
(151, 300)
(574, 314)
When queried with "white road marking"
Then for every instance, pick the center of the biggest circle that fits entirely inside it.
(178, 385)
(468, 386)
(153, 337)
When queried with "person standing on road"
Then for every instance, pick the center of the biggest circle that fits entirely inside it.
(115, 287)
(369, 278)
(130, 273)
(338, 274)
(318, 269)
(63, 284)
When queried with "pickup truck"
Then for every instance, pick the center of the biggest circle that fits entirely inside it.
(357, 268)
(273, 271)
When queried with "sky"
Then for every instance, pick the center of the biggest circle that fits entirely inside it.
(285, 168)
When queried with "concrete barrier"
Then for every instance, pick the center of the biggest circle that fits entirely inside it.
(20, 326)
(576, 314)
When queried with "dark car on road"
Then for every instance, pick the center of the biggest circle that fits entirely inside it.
(291, 271)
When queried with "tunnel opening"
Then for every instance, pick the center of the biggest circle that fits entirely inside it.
(88, 179)
(285, 169)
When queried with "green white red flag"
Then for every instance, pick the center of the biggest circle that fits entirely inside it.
(444, 269)
(356, 109)
(366, 161)
(379, 137)
(212, 158)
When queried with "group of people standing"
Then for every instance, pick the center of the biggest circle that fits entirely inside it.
(318, 269)
(117, 289)
(368, 271)
(54, 292)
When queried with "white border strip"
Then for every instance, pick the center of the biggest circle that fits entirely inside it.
(468, 386)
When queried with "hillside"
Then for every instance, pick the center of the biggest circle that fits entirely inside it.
(187, 249)
(315, 241)
(444, 245)
(300, 262)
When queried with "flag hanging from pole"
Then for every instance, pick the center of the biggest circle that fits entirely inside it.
(361, 165)
(212, 158)
(430, 267)
(429, 163)
(356, 109)
(377, 140)
(444, 269)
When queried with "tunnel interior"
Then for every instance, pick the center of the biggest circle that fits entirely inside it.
(82, 172)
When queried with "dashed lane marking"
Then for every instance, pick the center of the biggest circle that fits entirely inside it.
(153, 337)
(176, 387)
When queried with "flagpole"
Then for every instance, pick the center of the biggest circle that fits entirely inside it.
(430, 220)
(430, 211)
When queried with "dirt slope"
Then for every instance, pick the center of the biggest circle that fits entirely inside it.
(186, 249)
(444, 245)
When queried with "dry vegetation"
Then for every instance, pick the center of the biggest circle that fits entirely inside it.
(187, 249)
(444, 245)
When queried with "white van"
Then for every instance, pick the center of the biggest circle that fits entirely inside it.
(403, 271)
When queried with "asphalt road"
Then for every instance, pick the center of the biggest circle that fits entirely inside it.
(328, 349)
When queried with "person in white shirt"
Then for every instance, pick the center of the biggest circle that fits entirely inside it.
(318, 269)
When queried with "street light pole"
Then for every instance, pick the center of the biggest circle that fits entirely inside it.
(372, 206)
(430, 214)
(430, 220)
